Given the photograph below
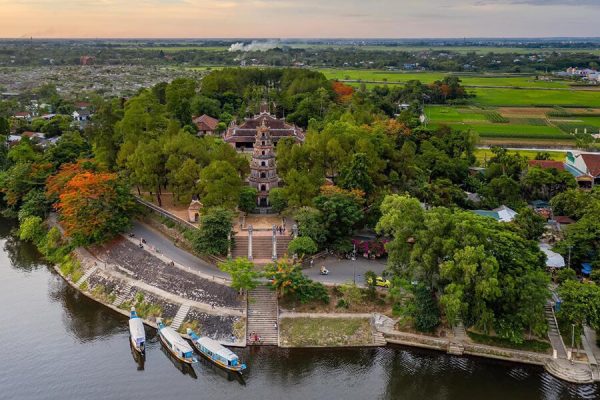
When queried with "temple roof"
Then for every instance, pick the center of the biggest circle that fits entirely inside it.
(278, 128)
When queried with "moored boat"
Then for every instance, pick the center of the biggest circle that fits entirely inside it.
(215, 352)
(176, 345)
(137, 334)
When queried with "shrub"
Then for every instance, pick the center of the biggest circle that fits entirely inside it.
(426, 312)
(301, 246)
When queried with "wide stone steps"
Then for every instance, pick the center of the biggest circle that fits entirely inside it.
(121, 298)
(379, 339)
(575, 373)
(180, 316)
(262, 246)
(262, 316)
(86, 276)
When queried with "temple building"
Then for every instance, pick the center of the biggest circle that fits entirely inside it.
(243, 136)
(263, 173)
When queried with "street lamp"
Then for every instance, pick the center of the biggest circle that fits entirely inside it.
(572, 341)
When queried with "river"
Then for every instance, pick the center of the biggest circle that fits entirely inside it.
(58, 344)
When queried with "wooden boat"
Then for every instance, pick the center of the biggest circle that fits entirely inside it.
(215, 352)
(176, 345)
(137, 334)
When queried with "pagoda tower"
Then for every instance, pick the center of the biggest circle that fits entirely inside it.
(263, 172)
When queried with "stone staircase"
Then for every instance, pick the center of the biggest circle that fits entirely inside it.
(554, 333)
(459, 332)
(86, 276)
(575, 373)
(123, 296)
(180, 316)
(456, 348)
(262, 316)
(262, 246)
(379, 339)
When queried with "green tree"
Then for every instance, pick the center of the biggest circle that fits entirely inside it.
(31, 229)
(302, 246)
(247, 202)
(426, 312)
(277, 199)
(213, 235)
(243, 275)
(340, 214)
(310, 224)
(580, 305)
(356, 175)
(220, 185)
(531, 224)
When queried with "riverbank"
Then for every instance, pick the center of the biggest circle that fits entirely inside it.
(128, 270)
(120, 275)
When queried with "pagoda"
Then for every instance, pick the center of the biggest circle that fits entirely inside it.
(263, 172)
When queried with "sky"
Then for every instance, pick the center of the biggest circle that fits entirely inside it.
(297, 19)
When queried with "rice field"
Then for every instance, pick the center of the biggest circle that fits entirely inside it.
(496, 80)
(486, 154)
(526, 97)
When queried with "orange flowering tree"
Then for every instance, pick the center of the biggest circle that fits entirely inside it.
(343, 92)
(93, 206)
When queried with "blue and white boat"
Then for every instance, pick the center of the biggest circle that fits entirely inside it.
(176, 345)
(137, 334)
(215, 352)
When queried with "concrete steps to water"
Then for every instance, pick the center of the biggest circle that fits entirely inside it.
(379, 339)
(575, 373)
(554, 333)
(262, 316)
(456, 349)
(124, 296)
(86, 276)
(180, 316)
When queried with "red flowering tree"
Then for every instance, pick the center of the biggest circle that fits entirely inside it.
(93, 206)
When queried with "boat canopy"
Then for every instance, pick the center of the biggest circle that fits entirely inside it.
(136, 328)
(216, 348)
(176, 340)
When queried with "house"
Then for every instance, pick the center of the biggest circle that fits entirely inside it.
(24, 115)
(194, 210)
(585, 167)
(553, 259)
(82, 105)
(205, 124)
(500, 214)
(33, 135)
(81, 115)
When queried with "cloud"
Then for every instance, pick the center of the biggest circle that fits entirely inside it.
(566, 3)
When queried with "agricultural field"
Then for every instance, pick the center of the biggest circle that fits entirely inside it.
(536, 98)
(391, 77)
(502, 123)
(485, 154)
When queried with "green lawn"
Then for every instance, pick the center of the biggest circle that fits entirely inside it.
(525, 97)
(328, 332)
(527, 345)
(485, 154)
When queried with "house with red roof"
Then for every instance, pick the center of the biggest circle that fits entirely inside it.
(585, 167)
(205, 124)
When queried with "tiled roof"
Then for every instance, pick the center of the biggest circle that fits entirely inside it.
(592, 161)
(205, 122)
(546, 164)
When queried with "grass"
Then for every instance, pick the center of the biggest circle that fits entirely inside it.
(530, 97)
(316, 332)
(485, 154)
(71, 268)
(395, 77)
(527, 345)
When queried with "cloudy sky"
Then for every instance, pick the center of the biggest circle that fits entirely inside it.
(304, 18)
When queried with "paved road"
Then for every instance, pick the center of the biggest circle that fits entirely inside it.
(166, 247)
(340, 271)
(344, 271)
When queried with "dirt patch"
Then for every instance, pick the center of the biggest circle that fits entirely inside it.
(325, 332)
(533, 112)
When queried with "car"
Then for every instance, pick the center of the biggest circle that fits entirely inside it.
(379, 281)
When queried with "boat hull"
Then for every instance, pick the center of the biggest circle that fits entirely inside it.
(229, 368)
(135, 345)
(177, 356)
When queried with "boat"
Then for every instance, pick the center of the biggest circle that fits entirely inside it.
(215, 352)
(176, 345)
(137, 334)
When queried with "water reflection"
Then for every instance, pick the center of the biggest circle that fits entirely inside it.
(139, 358)
(184, 368)
(82, 316)
(211, 368)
